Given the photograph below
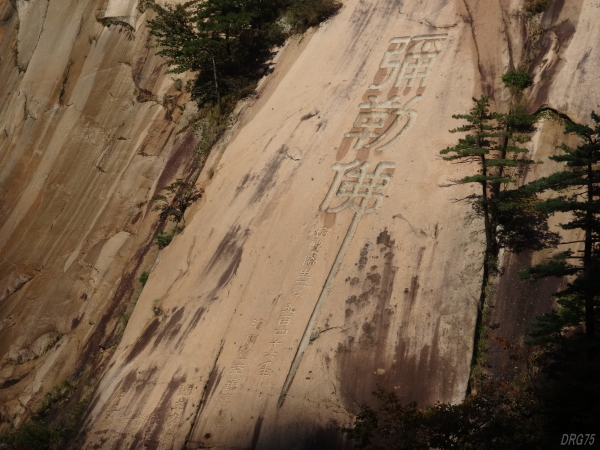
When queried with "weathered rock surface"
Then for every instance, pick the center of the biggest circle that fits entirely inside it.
(87, 136)
(285, 300)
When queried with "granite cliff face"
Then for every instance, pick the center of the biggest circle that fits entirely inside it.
(324, 257)
(89, 134)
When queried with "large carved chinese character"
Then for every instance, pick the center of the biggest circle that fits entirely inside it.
(379, 122)
(417, 62)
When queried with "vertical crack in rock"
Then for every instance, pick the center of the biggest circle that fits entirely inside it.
(305, 341)
(508, 37)
(205, 394)
(472, 26)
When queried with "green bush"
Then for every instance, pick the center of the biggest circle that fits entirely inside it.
(533, 7)
(163, 239)
(33, 436)
(517, 80)
(180, 195)
(303, 14)
(143, 278)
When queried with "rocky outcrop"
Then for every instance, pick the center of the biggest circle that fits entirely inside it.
(82, 152)
(285, 308)
(324, 257)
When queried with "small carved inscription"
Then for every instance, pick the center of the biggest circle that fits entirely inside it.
(286, 314)
(232, 382)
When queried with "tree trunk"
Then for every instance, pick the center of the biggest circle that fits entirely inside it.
(489, 233)
(587, 257)
(216, 83)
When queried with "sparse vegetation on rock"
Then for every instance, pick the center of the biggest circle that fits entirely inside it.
(227, 42)
(32, 436)
(579, 194)
(517, 80)
(534, 7)
(55, 420)
(172, 206)
(179, 197)
(490, 419)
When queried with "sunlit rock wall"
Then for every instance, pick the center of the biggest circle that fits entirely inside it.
(324, 257)
(327, 258)
(559, 53)
(88, 133)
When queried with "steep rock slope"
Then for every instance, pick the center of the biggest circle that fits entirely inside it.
(316, 266)
(286, 300)
(88, 133)
(557, 49)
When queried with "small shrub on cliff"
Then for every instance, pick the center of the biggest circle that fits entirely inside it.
(163, 239)
(180, 196)
(517, 80)
(143, 279)
(303, 14)
(534, 7)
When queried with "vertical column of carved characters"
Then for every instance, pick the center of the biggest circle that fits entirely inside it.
(235, 372)
(362, 192)
(301, 280)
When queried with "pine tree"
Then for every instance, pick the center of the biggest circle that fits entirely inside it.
(492, 143)
(226, 41)
(518, 224)
(579, 189)
(174, 29)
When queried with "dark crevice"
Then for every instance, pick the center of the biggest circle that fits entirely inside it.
(472, 26)
(511, 60)
(203, 397)
(562, 115)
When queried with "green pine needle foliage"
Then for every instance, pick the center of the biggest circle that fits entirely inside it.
(494, 144)
(227, 42)
(577, 189)
(517, 80)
